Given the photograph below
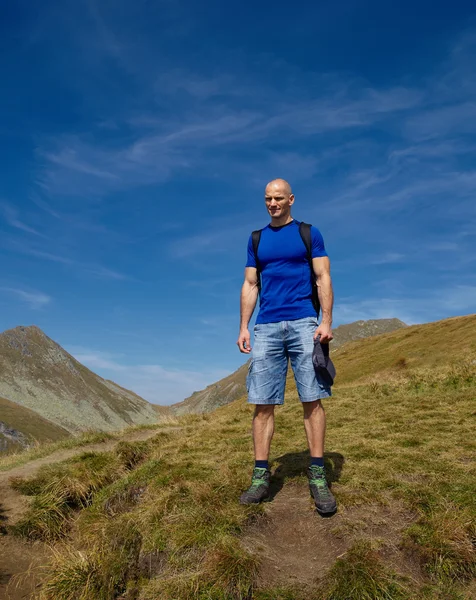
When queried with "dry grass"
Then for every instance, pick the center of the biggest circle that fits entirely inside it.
(427, 346)
(85, 439)
(165, 522)
(42, 450)
(361, 574)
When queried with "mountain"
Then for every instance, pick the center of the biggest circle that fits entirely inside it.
(232, 387)
(38, 374)
(21, 427)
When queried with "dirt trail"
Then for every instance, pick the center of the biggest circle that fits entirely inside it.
(297, 546)
(294, 543)
(21, 561)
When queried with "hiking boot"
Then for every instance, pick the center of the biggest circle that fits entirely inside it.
(323, 498)
(259, 487)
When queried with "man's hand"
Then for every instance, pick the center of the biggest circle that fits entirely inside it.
(243, 342)
(325, 331)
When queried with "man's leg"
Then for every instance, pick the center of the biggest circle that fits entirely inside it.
(263, 430)
(265, 383)
(315, 426)
(311, 390)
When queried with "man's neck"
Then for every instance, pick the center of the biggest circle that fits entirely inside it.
(281, 221)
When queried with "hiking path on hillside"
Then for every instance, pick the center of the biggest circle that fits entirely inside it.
(20, 560)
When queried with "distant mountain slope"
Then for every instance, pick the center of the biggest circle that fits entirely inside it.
(364, 329)
(36, 373)
(163, 411)
(20, 427)
(429, 345)
(232, 387)
(215, 395)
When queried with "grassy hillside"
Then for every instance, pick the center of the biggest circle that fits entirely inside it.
(160, 519)
(233, 386)
(431, 345)
(33, 428)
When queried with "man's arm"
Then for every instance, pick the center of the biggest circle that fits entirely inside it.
(249, 296)
(322, 271)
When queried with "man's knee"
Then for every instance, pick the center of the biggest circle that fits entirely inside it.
(312, 407)
(264, 411)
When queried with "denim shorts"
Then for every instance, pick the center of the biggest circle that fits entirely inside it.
(274, 345)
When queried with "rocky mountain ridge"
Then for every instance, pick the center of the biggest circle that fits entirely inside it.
(10, 436)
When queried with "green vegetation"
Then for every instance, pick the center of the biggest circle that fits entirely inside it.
(160, 519)
(361, 574)
(42, 450)
(10, 461)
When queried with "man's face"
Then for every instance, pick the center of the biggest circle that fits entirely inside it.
(278, 200)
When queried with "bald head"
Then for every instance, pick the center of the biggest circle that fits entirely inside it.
(279, 198)
(279, 185)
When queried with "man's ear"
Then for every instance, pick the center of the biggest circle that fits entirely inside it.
(291, 199)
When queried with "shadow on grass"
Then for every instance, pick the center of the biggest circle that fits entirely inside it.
(3, 520)
(295, 464)
(4, 577)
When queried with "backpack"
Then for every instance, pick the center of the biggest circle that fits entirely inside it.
(305, 233)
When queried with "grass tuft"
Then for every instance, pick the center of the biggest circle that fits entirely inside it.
(132, 453)
(445, 544)
(101, 572)
(46, 518)
(361, 575)
(231, 570)
(62, 488)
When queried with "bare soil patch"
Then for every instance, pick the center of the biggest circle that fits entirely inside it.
(297, 546)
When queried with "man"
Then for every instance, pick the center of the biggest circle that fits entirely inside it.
(286, 328)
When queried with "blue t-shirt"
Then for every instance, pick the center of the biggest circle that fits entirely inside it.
(286, 290)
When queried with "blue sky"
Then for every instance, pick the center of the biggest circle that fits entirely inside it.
(138, 137)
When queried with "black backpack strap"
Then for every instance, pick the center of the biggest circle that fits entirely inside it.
(305, 232)
(255, 239)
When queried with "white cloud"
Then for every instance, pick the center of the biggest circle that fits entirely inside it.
(75, 165)
(94, 359)
(153, 382)
(436, 304)
(98, 271)
(388, 258)
(35, 300)
(438, 122)
(12, 218)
